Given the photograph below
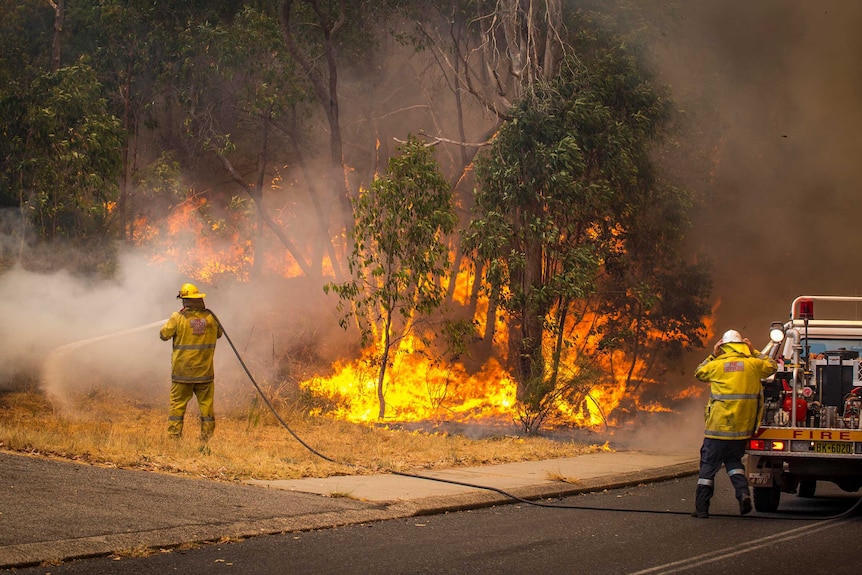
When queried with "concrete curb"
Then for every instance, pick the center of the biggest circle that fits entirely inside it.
(33, 554)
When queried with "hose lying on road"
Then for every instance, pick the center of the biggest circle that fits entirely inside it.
(512, 496)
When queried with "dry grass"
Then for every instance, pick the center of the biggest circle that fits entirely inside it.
(110, 431)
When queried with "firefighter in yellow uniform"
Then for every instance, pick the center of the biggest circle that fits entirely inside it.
(734, 371)
(194, 331)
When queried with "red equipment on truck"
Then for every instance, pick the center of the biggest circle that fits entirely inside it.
(811, 428)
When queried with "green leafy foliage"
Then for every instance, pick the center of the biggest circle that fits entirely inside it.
(69, 155)
(566, 193)
(399, 255)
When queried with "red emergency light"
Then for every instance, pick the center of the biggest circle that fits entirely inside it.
(806, 309)
(767, 445)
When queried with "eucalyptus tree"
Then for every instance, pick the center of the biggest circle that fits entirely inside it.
(323, 37)
(398, 255)
(25, 35)
(494, 50)
(125, 42)
(108, 45)
(567, 191)
(235, 84)
(491, 53)
(69, 157)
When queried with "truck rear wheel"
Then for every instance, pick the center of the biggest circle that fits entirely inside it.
(766, 499)
(807, 487)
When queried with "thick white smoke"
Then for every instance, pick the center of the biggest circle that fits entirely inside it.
(90, 331)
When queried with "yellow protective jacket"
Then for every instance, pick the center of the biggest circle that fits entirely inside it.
(736, 393)
(194, 333)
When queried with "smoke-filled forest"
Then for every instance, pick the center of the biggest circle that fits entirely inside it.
(535, 211)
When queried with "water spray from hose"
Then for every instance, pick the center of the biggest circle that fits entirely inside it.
(52, 370)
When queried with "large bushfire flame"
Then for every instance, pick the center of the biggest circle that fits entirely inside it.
(417, 387)
(416, 390)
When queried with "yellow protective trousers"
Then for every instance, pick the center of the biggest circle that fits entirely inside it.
(181, 394)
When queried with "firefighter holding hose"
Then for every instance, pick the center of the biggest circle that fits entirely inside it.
(734, 371)
(194, 331)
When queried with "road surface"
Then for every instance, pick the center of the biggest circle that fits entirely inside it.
(644, 529)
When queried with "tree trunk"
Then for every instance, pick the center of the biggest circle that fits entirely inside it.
(255, 193)
(487, 347)
(558, 345)
(325, 89)
(525, 340)
(384, 362)
(323, 221)
(59, 7)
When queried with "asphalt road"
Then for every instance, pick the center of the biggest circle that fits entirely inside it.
(650, 532)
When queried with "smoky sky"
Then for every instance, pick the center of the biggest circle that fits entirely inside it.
(775, 87)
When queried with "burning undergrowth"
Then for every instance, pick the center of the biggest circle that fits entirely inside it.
(300, 362)
(85, 335)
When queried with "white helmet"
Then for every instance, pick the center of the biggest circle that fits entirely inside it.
(731, 336)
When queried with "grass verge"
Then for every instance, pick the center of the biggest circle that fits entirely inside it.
(118, 432)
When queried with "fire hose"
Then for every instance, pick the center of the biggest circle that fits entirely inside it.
(66, 348)
(284, 424)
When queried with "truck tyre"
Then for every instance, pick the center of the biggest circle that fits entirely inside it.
(766, 499)
(807, 487)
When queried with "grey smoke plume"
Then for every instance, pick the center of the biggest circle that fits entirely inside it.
(775, 84)
(770, 93)
(70, 320)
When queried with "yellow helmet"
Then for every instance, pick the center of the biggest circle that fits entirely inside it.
(190, 291)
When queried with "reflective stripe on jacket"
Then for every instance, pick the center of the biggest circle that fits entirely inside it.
(194, 334)
(736, 393)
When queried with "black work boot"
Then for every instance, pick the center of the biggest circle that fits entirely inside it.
(745, 504)
(740, 485)
(701, 501)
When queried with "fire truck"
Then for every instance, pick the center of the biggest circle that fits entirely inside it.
(811, 430)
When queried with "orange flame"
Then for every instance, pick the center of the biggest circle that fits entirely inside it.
(416, 387)
(204, 248)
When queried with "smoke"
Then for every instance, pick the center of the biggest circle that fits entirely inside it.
(769, 96)
(772, 87)
(79, 337)
(679, 431)
(69, 319)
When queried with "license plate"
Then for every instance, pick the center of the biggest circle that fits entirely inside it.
(760, 479)
(834, 447)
